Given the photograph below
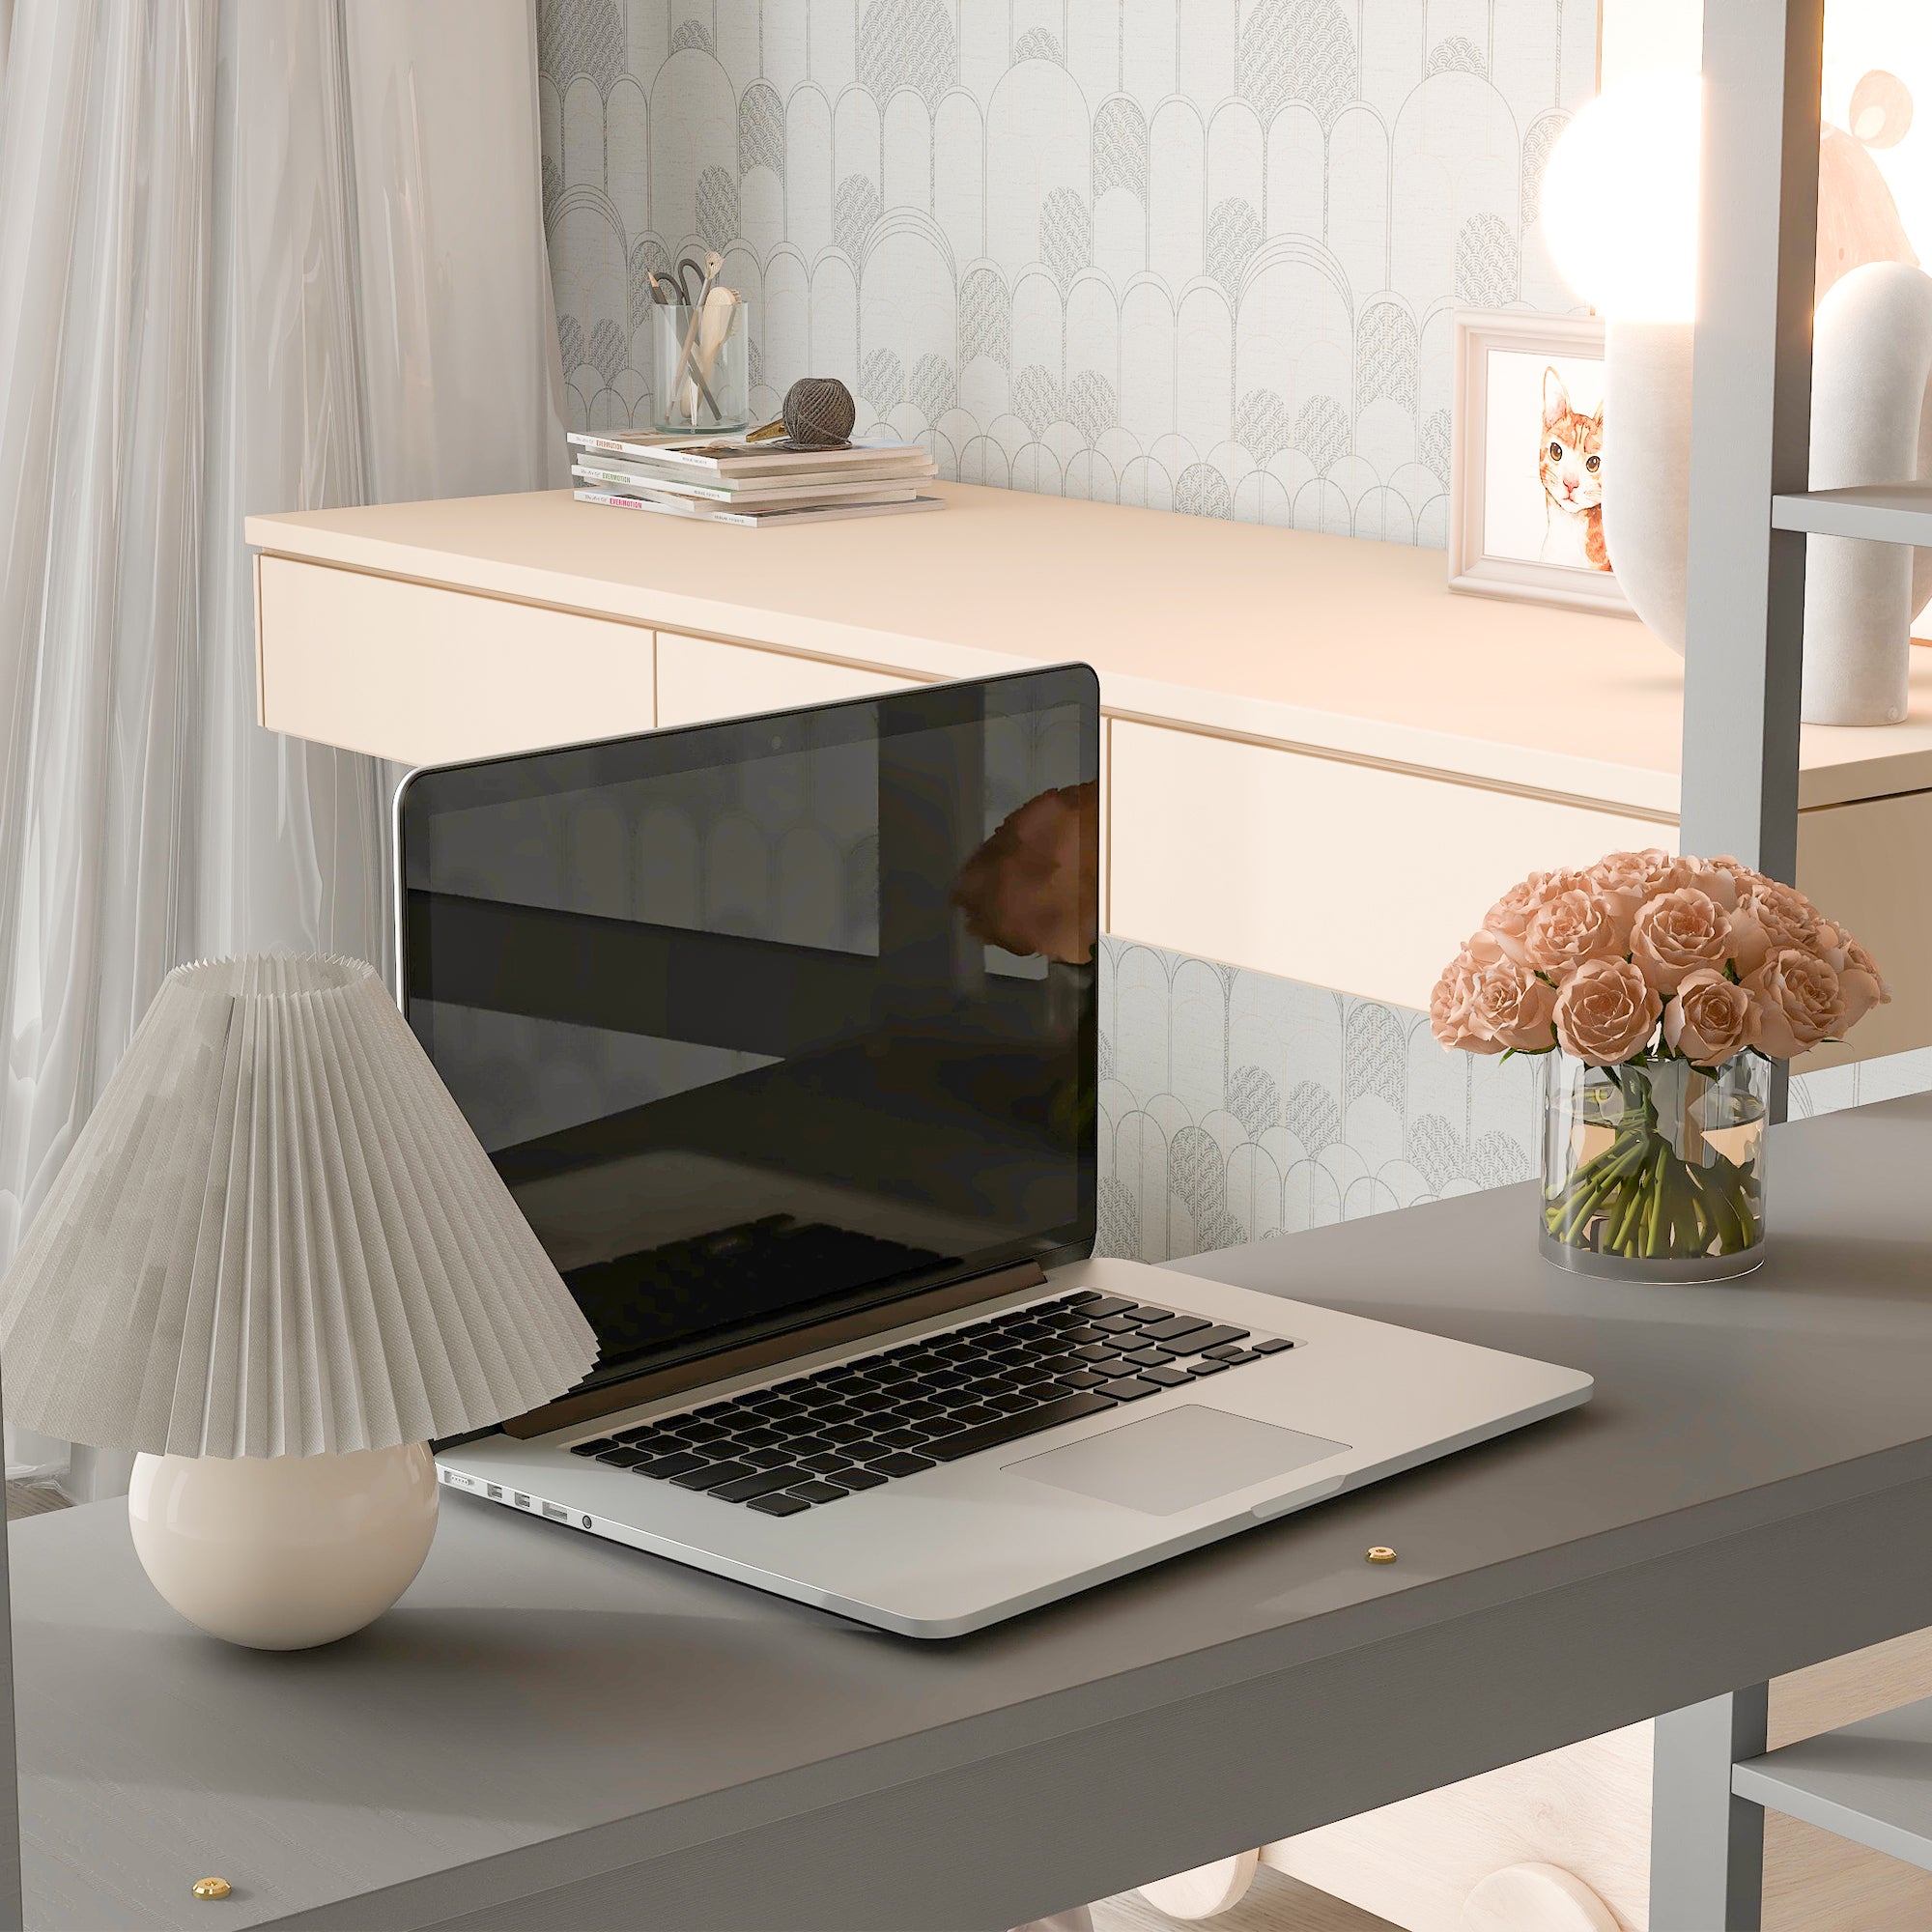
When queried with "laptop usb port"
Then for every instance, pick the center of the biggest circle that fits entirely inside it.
(554, 1513)
(494, 1493)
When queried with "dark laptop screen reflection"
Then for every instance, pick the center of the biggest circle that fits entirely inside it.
(762, 1017)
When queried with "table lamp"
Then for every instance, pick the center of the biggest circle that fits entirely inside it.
(276, 1263)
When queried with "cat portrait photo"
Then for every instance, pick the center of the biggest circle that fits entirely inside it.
(1528, 469)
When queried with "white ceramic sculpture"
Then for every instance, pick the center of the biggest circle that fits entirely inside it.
(1871, 423)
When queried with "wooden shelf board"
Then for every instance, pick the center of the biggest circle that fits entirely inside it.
(1340, 645)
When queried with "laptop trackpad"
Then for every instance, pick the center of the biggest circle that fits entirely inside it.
(1177, 1459)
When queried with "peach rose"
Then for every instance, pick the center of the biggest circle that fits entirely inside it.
(1507, 919)
(1605, 1012)
(1451, 1003)
(1574, 926)
(1715, 878)
(1859, 978)
(1627, 878)
(1513, 1006)
(1678, 932)
(1711, 1018)
(1770, 918)
(1799, 1001)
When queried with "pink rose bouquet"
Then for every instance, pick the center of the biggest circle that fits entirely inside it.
(1665, 978)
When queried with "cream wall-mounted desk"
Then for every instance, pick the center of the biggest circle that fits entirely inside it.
(1319, 762)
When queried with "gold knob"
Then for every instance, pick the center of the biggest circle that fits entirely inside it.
(211, 1887)
(1382, 1554)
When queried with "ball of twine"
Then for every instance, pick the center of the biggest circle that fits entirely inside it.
(819, 412)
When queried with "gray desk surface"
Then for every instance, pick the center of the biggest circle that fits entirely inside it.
(549, 1731)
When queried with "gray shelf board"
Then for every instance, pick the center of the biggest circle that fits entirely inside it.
(1871, 1782)
(542, 1707)
(1898, 513)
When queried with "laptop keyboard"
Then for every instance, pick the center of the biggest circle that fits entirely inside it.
(816, 1440)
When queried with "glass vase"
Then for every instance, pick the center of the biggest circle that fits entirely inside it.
(1654, 1170)
(700, 366)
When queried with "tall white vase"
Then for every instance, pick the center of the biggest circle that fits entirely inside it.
(1871, 423)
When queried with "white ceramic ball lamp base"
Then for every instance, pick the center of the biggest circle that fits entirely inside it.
(282, 1552)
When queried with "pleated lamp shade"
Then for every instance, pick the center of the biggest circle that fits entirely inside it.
(276, 1235)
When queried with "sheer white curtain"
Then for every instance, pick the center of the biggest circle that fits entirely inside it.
(266, 254)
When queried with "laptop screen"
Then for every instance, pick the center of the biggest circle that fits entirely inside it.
(769, 1018)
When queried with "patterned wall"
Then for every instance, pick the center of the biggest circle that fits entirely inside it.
(1234, 1105)
(1200, 254)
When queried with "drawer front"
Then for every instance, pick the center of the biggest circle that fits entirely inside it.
(426, 675)
(1863, 864)
(1340, 875)
(700, 678)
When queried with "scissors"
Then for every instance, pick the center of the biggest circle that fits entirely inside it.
(700, 273)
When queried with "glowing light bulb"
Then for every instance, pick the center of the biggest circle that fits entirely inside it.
(1620, 199)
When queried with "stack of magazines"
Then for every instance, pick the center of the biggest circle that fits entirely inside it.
(736, 481)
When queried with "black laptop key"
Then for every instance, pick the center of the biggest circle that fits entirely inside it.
(1114, 1324)
(843, 1431)
(778, 1505)
(1205, 1339)
(874, 1404)
(710, 1478)
(1149, 1358)
(1073, 1337)
(746, 1488)
(624, 1459)
(1012, 1428)
(972, 1418)
(826, 1461)
(1129, 1388)
(653, 1437)
(902, 1439)
(1081, 1296)
(681, 1464)
(1206, 1367)
(905, 1463)
(697, 1433)
(861, 1479)
(816, 1491)
(1011, 1402)
(1167, 1377)
(1147, 1312)
(596, 1447)
(757, 1437)
(1098, 1351)
(767, 1459)
(1081, 1378)
(1174, 1326)
(1273, 1345)
(916, 1412)
(1227, 1352)
(1105, 1304)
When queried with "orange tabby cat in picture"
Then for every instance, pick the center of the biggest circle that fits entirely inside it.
(1572, 466)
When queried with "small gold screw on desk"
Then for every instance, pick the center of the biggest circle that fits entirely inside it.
(211, 1887)
(1382, 1554)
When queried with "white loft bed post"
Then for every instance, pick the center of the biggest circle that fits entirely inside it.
(1750, 442)
(1750, 430)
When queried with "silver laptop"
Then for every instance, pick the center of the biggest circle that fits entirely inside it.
(783, 1031)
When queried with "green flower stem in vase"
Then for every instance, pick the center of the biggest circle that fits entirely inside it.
(1653, 1170)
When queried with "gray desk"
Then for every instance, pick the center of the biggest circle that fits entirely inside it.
(551, 1732)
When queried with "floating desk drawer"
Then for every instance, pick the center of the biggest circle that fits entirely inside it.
(426, 675)
(1344, 876)
(700, 678)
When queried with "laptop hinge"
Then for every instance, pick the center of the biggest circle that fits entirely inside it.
(651, 1384)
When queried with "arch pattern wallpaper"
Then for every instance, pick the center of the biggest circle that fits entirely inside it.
(1195, 254)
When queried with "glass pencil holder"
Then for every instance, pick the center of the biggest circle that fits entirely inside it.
(701, 366)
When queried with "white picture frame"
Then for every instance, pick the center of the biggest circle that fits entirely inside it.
(1500, 355)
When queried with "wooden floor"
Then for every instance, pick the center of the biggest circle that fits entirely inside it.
(32, 1499)
(1273, 1904)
